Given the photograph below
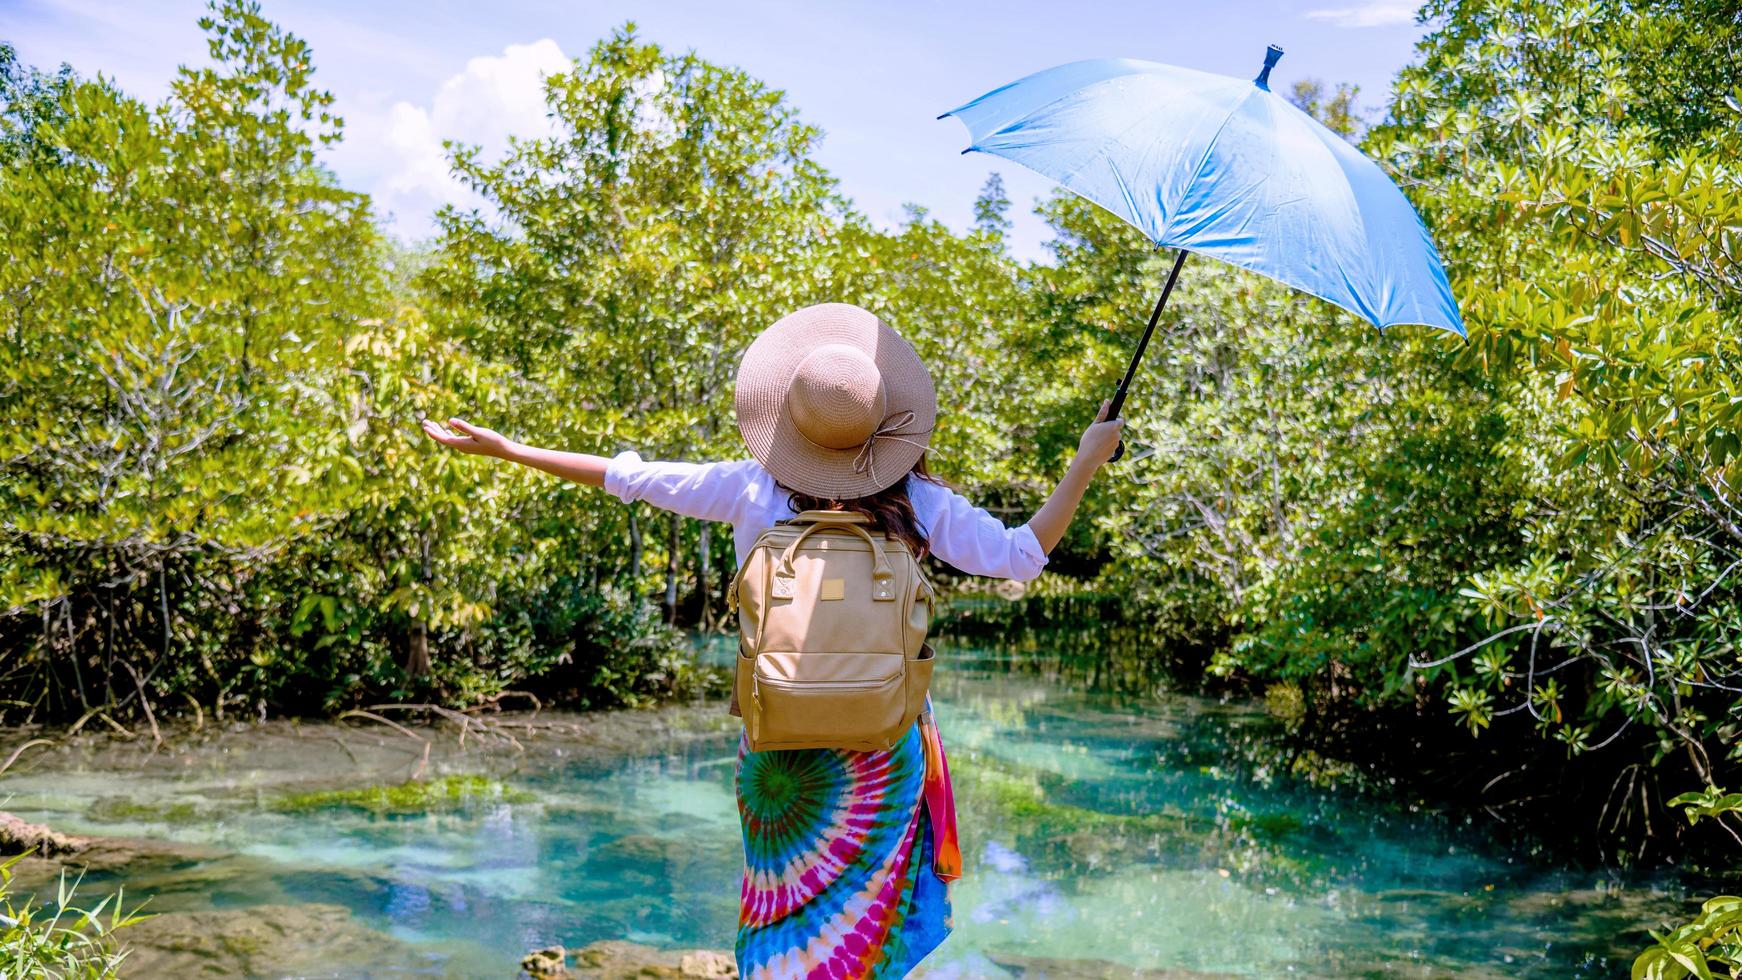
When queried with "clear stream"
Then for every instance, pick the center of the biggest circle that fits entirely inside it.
(1104, 835)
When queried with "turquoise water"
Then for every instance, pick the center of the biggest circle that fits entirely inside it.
(1104, 835)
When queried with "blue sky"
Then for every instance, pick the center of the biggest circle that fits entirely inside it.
(873, 75)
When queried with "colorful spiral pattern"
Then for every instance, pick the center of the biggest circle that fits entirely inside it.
(843, 874)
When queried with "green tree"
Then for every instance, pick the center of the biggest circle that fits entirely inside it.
(992, 208)
(1337, 110)
(180, 278)
(622, 265)
(1598, 259)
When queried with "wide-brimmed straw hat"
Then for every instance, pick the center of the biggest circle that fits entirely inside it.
(834, 403)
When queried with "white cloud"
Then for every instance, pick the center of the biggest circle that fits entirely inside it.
(398, 151)
(1373, 13)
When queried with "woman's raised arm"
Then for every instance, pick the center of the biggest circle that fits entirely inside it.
(1097, 445)
(974, 541)
(479, 441)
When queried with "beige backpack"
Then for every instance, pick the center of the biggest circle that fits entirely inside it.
(832, 617)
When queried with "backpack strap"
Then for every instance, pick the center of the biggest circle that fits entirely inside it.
(732, 589)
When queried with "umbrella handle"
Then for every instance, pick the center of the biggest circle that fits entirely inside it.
(1118, 401)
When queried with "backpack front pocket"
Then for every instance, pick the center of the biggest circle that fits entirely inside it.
(823, 697)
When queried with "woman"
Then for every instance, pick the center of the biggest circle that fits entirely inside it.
(847, 854)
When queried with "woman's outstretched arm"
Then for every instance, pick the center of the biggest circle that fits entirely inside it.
(479, 441)
(710, 491)
(1096, 447)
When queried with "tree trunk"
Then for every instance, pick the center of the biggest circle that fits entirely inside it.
(704, 577)
(417, 660)
(634, 548)
(671, 564)
(163, 605)
(108, 649)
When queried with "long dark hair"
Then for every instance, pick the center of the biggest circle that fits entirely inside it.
(891, 511)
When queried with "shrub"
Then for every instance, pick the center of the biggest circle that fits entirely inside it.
(67, 943)
(620, 654)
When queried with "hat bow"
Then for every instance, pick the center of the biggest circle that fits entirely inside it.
(866, 460)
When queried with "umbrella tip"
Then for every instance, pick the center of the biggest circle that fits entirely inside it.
(1272, 55)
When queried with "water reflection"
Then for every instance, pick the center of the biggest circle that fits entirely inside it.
(1108, 833)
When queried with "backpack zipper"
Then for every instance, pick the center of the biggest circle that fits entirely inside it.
(755, 692)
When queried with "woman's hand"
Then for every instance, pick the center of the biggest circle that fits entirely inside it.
(479, 441)
(1100, 439)
(474, 439)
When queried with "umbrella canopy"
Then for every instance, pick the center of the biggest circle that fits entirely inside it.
(1226, 168)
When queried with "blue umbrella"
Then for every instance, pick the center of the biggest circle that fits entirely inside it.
(1224, 167)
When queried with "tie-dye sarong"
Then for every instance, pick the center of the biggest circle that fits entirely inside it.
(847, 856)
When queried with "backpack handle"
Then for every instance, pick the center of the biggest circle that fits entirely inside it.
(880, 571)
(828, 517)
(835, 520)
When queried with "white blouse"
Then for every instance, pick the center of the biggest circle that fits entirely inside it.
(743, 494)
